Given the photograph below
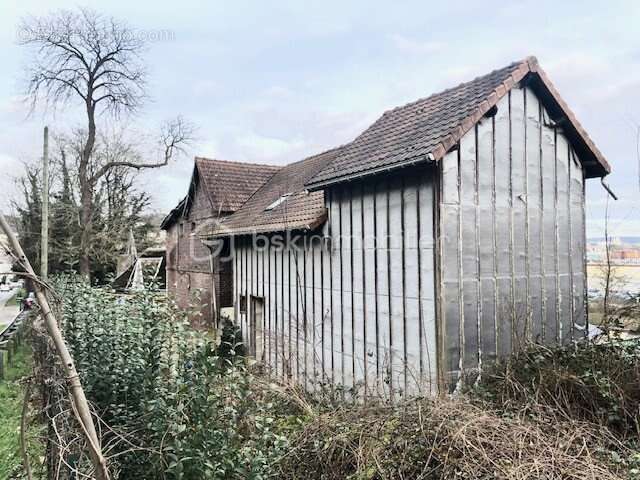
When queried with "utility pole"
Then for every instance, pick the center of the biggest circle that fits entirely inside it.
(44, 234)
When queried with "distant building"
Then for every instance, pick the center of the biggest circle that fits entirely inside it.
(626, 255)
(619, 253)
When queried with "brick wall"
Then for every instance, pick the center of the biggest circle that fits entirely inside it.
(189, 277)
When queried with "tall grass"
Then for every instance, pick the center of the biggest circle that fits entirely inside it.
(11, 400)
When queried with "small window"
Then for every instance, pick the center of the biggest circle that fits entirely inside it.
(193, 226)
(278, 202)
(243, 304)
(181, 228)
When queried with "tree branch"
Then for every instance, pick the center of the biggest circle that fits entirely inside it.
(174, 137)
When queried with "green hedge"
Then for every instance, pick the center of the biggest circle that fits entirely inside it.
(185, 412)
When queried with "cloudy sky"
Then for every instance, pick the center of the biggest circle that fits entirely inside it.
(276, 81)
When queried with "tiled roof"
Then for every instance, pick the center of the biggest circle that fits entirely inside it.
(299, 209)
(426, 129)
(417, 132)
(228, 185)
(173, 215)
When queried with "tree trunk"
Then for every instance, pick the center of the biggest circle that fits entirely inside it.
(85, 238)
(86, 194)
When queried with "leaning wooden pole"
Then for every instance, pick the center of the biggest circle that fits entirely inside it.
(77, 393)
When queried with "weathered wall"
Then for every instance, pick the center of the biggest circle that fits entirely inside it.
(513, 237)
(189, 263)
(355, 310)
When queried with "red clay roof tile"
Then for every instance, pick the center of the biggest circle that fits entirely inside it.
(230, 184)
(301, 210)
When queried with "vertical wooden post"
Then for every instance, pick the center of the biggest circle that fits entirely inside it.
(213, 301)
(1, 364)
(44, 236)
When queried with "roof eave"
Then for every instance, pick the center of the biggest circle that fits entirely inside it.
(593, 160)
(368, 173)
(308, 227)
(171, 217)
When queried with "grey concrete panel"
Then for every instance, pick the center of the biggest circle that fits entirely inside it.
(504, 315)
(452, 335)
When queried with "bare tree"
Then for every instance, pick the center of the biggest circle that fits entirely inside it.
(80, 403)
(607, 267)
(85, 58)
(611, 279)
(118, 202)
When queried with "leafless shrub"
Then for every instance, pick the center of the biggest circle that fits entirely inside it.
(437, 439)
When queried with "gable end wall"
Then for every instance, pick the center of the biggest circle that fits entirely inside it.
(189, 265)
(512, 245)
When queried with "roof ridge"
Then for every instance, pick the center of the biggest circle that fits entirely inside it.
(236, 162)
(441, 119)
(315, 155)
(461, 84)
(523, 68)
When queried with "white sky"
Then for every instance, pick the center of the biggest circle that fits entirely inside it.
(277, 81)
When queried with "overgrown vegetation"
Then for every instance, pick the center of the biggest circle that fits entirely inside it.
(174, 405)
(627, 315)
(551, 412)
(594, 382)
(170, 406)
(445, 439)
(11, 400)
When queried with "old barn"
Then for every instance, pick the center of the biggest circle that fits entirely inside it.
(195, 274)
(444, 236)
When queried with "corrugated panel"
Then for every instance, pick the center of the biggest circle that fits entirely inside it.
(333, 317)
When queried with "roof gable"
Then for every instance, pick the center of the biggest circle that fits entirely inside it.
(230, 184)
(426, 129)
(227, 185)
(283, 202)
